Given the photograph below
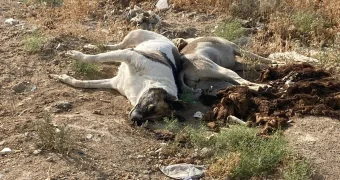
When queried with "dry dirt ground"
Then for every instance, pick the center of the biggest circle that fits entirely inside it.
(107, 146)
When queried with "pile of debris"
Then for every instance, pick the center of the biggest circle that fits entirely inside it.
(296, 90)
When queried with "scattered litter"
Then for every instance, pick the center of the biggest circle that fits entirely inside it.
(6, 151)
(198, 115)
(162, 4)
(11, 21)
(33, 88)
(235, 120)
(183, 171)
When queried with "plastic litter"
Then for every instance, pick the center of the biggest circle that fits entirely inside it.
(183, 171)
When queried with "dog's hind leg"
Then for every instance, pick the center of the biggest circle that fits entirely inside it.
(125, 55)
(216, 71)
(88, 84)
(134, 38)
(244, 66)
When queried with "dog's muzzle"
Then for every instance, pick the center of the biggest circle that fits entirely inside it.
(135, 117)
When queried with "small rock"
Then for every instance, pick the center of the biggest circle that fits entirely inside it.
(146, 172)
(98, 112)
(206, 152)
(140, 156)
(89, 136)
(90, 46)
(62, 107)
(201, 18)
(6, 151)
(12, 21)
(20, 87)
(2, 143)
(162, 4)
(153, 153)
(159, 150)
(1, 176)
(50, 159)
(37, 151)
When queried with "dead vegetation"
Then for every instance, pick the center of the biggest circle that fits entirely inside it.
(53, 138)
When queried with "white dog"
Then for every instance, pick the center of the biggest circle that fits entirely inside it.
(207, 58)
(146, 75)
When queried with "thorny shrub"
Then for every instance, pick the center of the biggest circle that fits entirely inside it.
(54, 138)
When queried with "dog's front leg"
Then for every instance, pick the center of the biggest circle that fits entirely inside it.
(112, 56)
(103, 83)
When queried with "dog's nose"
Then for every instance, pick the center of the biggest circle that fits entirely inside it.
(135, 116)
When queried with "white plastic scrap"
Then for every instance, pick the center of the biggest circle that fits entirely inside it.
(183, 171)
(162, 4)
(12, 21)
(198, 115)
(6, 150)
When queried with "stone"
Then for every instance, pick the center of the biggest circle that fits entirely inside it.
(62, 106)
(20, 87)
(37, 151)
(89, 136)
(206, 152)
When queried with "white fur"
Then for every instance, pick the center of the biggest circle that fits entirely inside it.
(136, 73)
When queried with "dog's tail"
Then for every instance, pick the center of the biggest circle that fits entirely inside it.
(243, 53)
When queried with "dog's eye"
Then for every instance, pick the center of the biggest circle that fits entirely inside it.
(151, 107)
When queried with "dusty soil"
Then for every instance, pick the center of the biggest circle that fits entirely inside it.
(107, 146)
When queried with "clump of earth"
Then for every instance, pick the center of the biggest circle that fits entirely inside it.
(295, 90)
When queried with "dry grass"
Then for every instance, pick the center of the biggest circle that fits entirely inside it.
(223, 167)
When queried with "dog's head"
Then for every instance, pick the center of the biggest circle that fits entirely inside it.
(154, 104)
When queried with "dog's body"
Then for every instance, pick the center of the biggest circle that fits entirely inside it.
(145, 76)
(207, 58)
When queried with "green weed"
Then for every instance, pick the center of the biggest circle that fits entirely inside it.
(34, 42)
(297, 169)
(231, 30)
(86, 69)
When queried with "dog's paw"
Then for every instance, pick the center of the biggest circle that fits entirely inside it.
(62, 78)
(75, 55)
(90, 47)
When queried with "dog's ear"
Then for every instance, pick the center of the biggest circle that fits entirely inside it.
(175, 103)
(180, 43)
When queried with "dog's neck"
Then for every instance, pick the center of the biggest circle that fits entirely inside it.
(163, 83)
